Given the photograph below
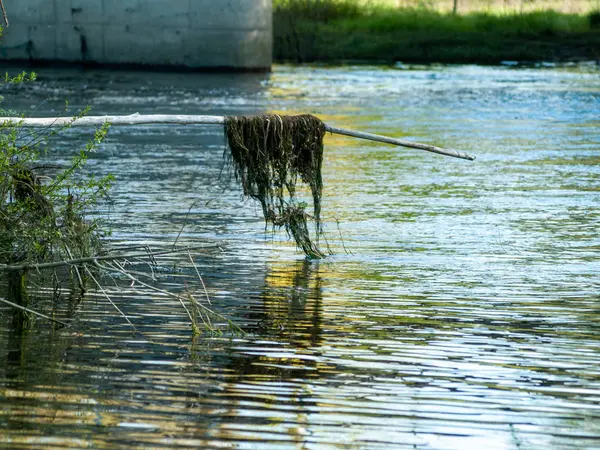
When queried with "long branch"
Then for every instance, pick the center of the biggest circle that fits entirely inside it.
(92, 259)
(168, 119)
(400, 142)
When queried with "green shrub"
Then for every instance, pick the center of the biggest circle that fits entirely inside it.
(42, 207)
(317, 10)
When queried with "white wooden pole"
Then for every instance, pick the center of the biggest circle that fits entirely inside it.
(169, 119)
(132, 119)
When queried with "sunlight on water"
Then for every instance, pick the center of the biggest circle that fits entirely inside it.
(460, 310)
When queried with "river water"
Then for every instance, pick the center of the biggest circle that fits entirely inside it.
(461, 308)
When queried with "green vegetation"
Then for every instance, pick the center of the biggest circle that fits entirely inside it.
(350, 30)
(43, 207)
(491, 6)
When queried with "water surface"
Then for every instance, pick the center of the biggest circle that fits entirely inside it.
(461, 308)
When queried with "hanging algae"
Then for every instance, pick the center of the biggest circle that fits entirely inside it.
(268, 153)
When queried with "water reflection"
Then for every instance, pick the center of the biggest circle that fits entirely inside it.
(292, 301)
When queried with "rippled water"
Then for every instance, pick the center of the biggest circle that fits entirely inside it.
(465, 312)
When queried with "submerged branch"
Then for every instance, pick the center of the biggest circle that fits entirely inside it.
(166, 119)
(35, 313)
(91, 275)
(118, 268)
(93, 259)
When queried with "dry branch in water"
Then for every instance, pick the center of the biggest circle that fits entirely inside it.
(4, 13)
(31, 311)
(166, 119)
(114, 266)
(93, 259)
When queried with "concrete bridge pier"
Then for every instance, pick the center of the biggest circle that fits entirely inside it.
(192, 34)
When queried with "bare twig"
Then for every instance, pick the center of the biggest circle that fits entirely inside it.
(92, 259)
(121, 270)
(337, 221)
(177, 297)
(108, 268)
(108, 297)
(165, 119)
(4, 13)
(200, 277)
(43, 316)
(401, 143)
(187, 216)
(79, 279)
(205, 317)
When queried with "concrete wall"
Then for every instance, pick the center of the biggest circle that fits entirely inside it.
(186, 33)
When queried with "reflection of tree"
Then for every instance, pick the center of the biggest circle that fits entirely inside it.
(26, 409)
(290, 308)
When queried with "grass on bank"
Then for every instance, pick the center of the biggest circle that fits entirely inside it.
(492, 6)
(321, 30)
